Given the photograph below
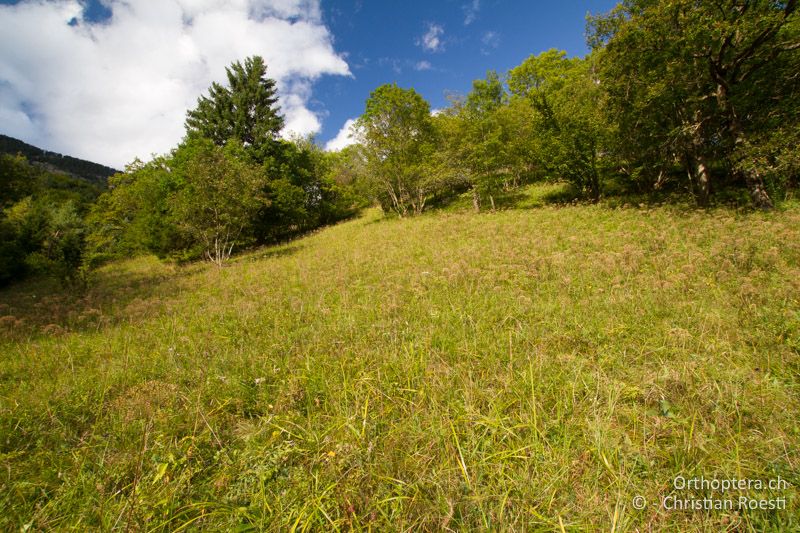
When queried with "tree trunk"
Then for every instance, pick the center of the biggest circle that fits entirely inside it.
(419, 203)
(476, 199)
(594, 175)
(699, 178)
(753, 179)
(697, 166)
(702, 182)
(394, 198)
(594, 183)
(399, 206)
(221, 252)
(758, 192)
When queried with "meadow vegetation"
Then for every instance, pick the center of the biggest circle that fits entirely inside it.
(522, 369)
(582, 282)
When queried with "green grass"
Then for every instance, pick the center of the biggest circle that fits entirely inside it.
(529, 370)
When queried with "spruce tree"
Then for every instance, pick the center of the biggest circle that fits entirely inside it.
(245, 110)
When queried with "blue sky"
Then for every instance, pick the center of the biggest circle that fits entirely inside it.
(382, 43)
(109, 81)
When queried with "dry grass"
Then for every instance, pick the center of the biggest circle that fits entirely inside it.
(519, 370)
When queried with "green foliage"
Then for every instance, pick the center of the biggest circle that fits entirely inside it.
(134, 215)
(699, 85)
(60, 251)
(207, 201)
(675, 89)
(483, 136)
(396, 133)
(300, 192)
(41, 222)
(346, 172)
(245, 110)
(43, 238)
(565, 104)
(12, 253)
(17, 179)
(231, 184)
(219, 196)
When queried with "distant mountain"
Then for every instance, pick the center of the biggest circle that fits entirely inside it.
(93, 172)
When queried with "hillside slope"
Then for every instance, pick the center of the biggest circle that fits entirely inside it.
(519, 370)
(94, 173)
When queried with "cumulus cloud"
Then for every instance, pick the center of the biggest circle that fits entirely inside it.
(471, 11)
(423, 65)
(345, 137)
(113, 90)
(431, 40)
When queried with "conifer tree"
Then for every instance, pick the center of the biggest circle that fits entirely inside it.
(245, 110)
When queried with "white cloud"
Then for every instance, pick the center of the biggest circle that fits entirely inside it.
(395, 64)
(423, 65)
(431, 40)
(345, 137)
(490, 40)
(120, 89)
(436, 112)
(471, 11)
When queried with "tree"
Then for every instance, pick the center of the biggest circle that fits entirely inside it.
(522, 141)
(231, 183)
(689, 82)
(246, 110)
(61, 252)
(17, 179)
(43, 237)
(42, 229)
(397, 137)
(346, 168)
(484, 137)
(200, 201)
(564, 100)
(134, 215)
(218, 200)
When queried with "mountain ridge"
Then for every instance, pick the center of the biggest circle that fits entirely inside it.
(90, 171)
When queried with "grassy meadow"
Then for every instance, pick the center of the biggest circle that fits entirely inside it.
(529, 369)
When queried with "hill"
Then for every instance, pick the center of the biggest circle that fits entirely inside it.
(93, 172)
(530, 369)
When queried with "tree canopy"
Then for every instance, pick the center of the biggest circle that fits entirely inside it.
(246, 110)
(397, 134)
(697, 83)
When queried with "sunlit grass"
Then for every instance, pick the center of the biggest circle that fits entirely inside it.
(529, 369)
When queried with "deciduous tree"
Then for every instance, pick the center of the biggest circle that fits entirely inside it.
(689, 82)
(397, 137)
(569, 127)
(220, 196)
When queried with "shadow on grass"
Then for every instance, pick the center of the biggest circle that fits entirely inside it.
(117, 292)
(382, 218)
(538, 195)
(41, 307)
(272, 252)
(615, 196)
